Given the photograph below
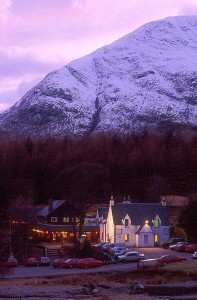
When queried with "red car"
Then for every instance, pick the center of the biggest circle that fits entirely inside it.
(166, 259)
(89, 262)
(191, 248)
(11, 262)
(180, 247)
(71, 263)
(57, 263)
(31, 262)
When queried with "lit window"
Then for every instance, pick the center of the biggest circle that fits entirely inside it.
(126, 237)
(53, 219)
(156, 238)
(126, 222)
(66, 219)
(156, 223)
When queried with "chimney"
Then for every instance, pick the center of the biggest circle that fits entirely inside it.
(163, 201)
(50, 203)
(127, 200)
(111, 202)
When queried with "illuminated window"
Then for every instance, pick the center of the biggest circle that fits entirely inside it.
(53, 219)
(156, 238)
(66, 219)
(156, 223)
(126, 237)
(126, 222)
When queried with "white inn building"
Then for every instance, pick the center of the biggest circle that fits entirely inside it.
(135, 224)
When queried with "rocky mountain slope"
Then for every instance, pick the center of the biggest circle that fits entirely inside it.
(145, 80)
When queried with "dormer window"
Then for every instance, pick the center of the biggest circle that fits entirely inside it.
(126, 222)
(156, 223)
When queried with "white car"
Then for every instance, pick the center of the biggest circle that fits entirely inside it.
(194, 255)
(117, 249)
(131, 256)
(119, 252)
(44, 261)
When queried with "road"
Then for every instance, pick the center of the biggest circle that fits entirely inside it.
(25, 272)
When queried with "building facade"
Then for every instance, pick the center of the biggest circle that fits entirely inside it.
(135, 224)
(59, 221)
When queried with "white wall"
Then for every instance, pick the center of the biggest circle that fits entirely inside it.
(110, 226)
(146, 230)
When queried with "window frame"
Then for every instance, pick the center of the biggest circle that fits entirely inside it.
(126, 237)
(156, 223)
(126, 222)
(68, 219)
(54, 219)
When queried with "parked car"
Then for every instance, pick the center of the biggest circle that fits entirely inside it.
(70, 263)
(194, 255)
(173, 241)
(120, 252)
(89, 262)
(44, 261)
(57, 263)
(178, 246)
(11, 262)
(166, 259)
(131, 256)
(100, 245)
(31, 262)
(191, 248)
(118, 249)
(108, 246)
(181, 247)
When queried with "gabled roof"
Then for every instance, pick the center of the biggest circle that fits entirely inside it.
(103, 212)
(139, 229)
(139, 213)
(45, 211)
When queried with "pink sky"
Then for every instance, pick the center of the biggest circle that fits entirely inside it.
(39, 36)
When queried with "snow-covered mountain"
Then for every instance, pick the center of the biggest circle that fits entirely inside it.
(145, 80)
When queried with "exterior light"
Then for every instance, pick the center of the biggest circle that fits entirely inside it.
(146, 222)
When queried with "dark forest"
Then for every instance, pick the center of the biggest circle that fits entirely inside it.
(143, 166)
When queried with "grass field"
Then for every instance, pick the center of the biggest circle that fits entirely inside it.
(186, 266)
(111, 286)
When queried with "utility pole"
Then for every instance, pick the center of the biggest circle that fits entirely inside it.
(11, 253)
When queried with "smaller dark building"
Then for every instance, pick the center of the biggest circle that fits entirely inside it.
(59, 222)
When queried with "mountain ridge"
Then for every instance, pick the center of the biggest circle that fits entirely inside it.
(146, 80)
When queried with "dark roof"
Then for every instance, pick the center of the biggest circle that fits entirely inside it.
(45, 211)
(103, 212)
(139, 213)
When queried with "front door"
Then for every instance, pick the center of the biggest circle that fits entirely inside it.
(145, 239)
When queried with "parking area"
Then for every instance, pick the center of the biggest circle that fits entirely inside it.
(158, 252)
(22, 271)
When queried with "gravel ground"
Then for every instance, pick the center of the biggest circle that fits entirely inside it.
(76, 292)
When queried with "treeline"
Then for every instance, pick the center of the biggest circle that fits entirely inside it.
(143, 166)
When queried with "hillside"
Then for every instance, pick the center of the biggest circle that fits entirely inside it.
(145, 80)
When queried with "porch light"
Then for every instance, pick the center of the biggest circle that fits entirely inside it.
(146, 222)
